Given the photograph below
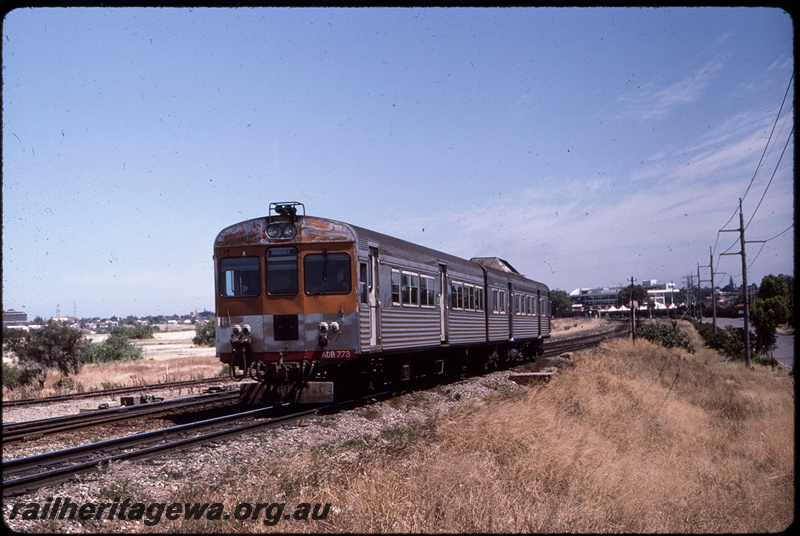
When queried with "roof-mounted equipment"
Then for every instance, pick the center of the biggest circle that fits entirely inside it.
(281, 220)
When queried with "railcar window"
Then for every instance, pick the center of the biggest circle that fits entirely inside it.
(282, 271)
(478, 299)
(362, 282)
(239, 277)
(427, 291)
(457, 295)
(410, 288)
(499, 301)
(396, 287)
(469, 297)
(327, 273)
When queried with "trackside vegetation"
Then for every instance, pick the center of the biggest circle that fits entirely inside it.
(65, 349)
(668, 336)
(636, 437)
(205, 334)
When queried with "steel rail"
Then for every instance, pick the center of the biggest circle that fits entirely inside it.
(33, 481)
(111, 392)
(26, 430)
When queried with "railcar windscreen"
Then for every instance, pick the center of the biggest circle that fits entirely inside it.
(327, 273)
(240, 277)
(282, 271)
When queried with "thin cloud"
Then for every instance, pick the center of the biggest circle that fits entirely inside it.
(654, 102)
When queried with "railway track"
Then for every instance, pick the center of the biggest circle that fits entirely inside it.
(15, 432)
(29, 473)
(555, 347)
(32, 472)
(112, 392)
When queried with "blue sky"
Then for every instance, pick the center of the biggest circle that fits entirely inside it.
(583, 145)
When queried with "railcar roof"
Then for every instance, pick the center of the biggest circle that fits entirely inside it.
(251, 232)
(432, 256)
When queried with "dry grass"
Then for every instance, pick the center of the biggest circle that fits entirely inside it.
(637, 438)
(123, 374)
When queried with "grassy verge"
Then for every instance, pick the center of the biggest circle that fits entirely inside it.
(634, 438)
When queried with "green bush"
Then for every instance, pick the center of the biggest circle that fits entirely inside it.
(729, 341)
(51, 346)
(205, 334)
(668, 336)
(116, 347)
(14, 377)
(134, 332)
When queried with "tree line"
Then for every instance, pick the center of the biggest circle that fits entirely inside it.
(56, 346)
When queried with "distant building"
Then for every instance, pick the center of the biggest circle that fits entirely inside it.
(604, 298)
(14, 318)
(662, 296)
(590, 299)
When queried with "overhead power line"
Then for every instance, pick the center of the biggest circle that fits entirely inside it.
(755, 173)
(764, 243)
(770, 179)
(774, 124)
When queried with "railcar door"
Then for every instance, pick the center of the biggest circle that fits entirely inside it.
(511, 311)
(443, 301)
(538, 316)
(372, 297)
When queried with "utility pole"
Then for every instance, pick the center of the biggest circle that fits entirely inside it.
(713, 292)
(713, 299)
(700, 292)
(633, 314)
(744, 284)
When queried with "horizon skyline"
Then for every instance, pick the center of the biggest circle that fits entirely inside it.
(198, 311)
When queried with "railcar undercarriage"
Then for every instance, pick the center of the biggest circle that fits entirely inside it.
(315, 381)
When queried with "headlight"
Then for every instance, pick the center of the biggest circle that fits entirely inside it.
(289, 230)
(274, 231)
(278, 230)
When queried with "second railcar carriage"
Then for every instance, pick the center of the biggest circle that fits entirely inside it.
(312, 308)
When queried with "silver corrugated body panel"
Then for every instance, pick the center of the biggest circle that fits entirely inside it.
(364, 332)
(545, 326)
(526, 327)
(466, 327)
(409, 328)
(498, 327)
